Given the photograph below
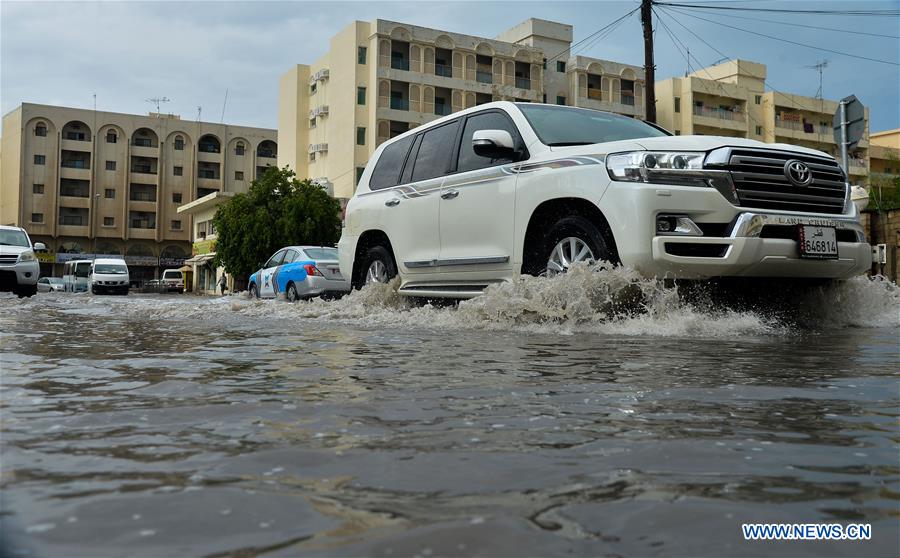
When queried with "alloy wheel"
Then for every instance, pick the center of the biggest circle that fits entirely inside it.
(377, 273)
(566, 252)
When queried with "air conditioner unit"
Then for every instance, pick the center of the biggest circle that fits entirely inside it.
(320, 75)
(320, 110)
(318, 147)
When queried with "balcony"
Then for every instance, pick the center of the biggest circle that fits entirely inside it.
(442, 109)
(443, 70)
(484, 76)
(80, 146)
(75, 173)
(208, 183)
(265, 154)
(720, 113)
(144, 151)
(595, 94)
(399, 103)
(523, 82)
(399, 63)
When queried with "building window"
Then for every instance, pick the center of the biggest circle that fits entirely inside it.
(312, 122)
(37, 188)
(560, 100)
(179, 143)
(544, 66)
(109, 221)
(361, 55)
(560, 66)
(677, 132)
(313, 88)
(544, 98)
(759, 130)
(312, 157)
(239, 149)
(677, 104)
(110, 194)
(176, 197)
(359, 173)
(757, 99)
(110, 165)
(37, 217)
(239, 175)
(177, 171)
(39, 159)
(111, 137)
(360, 135)
(360, 95)
(40, 130)
(176, 225)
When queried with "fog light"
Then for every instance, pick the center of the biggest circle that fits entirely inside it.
(677, 225)
(27, 274)
(663, 224)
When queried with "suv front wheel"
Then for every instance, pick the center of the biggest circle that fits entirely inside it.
(377, 267)
(570, 240)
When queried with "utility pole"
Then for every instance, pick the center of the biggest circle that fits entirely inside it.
(649, 69)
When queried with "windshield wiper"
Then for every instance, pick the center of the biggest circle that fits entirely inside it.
(568, 143)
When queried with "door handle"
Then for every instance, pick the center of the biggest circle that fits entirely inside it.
(393, 202)
(450, 194)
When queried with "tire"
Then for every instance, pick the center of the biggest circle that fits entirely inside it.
(254, 292)
(585, 233)
(377, 259)
(26, 291)
(291, 293)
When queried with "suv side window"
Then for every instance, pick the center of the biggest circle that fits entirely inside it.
(387, 169)
(434, 152)
(275, 260)
(492, 120)
(406, 178)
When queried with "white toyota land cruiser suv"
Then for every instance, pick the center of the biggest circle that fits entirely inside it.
(19, 266)
(490, 192)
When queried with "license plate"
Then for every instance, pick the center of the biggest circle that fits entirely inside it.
(818, 243)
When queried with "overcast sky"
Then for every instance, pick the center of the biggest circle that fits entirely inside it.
(63, 53)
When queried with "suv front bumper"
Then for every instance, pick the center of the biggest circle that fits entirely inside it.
(19, 274)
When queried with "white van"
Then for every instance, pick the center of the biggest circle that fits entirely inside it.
(172, 281)
(109, 275)
(75, 276)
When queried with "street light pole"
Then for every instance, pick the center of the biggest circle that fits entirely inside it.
(649, 68)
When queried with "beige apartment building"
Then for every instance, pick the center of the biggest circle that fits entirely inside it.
(381, 78)
(88, 182)
(730, 99)
(884, 153)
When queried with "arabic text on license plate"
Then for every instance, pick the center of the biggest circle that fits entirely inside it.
(818, 242)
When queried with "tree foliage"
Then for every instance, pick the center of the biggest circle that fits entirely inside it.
(278, 210)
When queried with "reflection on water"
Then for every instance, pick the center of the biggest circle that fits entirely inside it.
(154, 425)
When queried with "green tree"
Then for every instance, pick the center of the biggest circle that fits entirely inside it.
(278, 210)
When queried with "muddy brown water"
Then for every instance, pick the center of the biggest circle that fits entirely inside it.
(155, 425)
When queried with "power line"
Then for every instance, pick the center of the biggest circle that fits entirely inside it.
(599, 38)
(592, 35)
(874, 13)
(806, 26)
(774, 89)
(789, 41)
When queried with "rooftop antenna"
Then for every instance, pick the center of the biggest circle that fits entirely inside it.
(157, 101)
(199, 110)
(819, 66)
(222, 120)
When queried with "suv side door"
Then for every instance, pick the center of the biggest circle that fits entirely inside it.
(478, 202)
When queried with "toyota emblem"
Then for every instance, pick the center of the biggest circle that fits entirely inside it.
(798, 172)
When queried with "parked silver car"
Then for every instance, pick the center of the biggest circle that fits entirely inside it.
(50, 285)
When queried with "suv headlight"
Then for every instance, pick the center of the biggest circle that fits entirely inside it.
(27, 256)
(665, 167)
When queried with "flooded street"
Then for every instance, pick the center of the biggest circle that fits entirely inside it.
(556, 416)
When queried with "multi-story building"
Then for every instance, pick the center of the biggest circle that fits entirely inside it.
(381, 78)
(884, 154)
(101, 183)
(730, 99)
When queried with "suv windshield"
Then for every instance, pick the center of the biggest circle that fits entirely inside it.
(14, 238)
(561, 126)
(111, 269)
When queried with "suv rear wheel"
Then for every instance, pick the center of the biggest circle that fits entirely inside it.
(377, 267)
(571, 239)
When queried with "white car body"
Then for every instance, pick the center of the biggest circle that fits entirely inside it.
(76, 274)
(50, 285)
(109, 275)
(173, 280)
(19, 267)
(454, 234)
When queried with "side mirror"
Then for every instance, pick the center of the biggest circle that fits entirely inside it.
(40, 247)
(494, 144)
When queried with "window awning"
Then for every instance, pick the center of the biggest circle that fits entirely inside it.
(201, 258)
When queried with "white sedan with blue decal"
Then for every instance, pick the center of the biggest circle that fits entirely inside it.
(300, 272)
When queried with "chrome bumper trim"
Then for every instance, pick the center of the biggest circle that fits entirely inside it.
(750, 224)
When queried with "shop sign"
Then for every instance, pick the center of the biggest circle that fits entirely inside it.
(171, 262)
(204, 247)
(142, 260)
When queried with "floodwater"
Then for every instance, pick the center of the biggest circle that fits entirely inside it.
(590, 414)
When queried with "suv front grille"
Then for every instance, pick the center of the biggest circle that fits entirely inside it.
(6, 259)
(760, 182)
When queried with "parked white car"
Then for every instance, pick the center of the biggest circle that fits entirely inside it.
(19, 266)
(109, 275)
(50, 285)
(172, 281)
(506, 188)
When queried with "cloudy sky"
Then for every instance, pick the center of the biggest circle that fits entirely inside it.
(63, 53)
